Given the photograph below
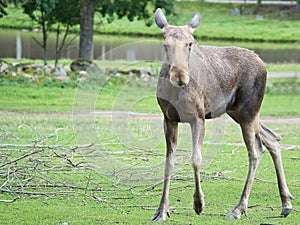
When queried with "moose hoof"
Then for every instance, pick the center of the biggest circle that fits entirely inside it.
(160, 216)
(286, 211)
(236, 214)
(198, 202)
(198, 207)
(232, 216)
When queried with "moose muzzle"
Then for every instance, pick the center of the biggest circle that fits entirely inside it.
(179, 76)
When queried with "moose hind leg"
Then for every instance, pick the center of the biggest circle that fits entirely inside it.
(255, 153)
(271, 141)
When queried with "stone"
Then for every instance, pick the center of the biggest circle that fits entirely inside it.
(3, 66)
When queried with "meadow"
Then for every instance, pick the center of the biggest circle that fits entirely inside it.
(66, 158)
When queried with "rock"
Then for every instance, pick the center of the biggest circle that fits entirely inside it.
(259, 17)
(82, 73)
(235, 11)
(63, 78)
(84, 65)
(3, 66)
(81, 79)
(47, 69)
(59, 71)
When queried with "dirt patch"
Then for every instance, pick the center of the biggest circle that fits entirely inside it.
(125, 114)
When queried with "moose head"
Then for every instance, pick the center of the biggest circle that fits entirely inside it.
(178, 45)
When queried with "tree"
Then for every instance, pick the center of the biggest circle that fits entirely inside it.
(87, 11)
(41, 12)
(67, 13)
(49, 12)
(141, 10)
(258, 5)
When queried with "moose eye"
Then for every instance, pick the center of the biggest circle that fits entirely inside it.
(190, 46)
(166, 47)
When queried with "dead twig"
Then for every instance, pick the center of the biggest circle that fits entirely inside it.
(253, 206)
(56, 186)
(28, 146)
(81, 146)
(67, 159)
(39, 193)
(10, 201)
(20, 158)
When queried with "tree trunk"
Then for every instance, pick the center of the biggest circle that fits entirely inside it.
(86, 46)
(45, 37)
(59, 47)
(258, 5)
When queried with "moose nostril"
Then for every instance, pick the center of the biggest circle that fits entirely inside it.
(181, 84)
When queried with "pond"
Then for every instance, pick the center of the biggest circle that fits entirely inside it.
(21, 44)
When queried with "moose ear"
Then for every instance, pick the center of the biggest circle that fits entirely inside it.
(160, 19)
(195, 22)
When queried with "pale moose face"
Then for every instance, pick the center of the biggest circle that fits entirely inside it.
(178, 44)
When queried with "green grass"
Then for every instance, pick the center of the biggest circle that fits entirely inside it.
(126, 94)
(131, 202)
(77, 183)
(282, 67)
(217, 23)
(36, 98)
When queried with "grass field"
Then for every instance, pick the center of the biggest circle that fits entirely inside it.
(127, 94)
(62, 164)
(65, 181)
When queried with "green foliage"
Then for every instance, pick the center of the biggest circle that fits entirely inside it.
(217, 24)
(66, 12)
(141, 10)
(39, 10)
(3, 5)
(53, 11)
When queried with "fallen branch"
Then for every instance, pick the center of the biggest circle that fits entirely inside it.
(253, 206)
(28, 146)
(56, 186)
(20, 158)
(10, 201)
(271, 182)
(68, 160)
(37, 193)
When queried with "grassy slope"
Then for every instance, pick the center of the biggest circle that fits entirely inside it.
(124, 96)
(217, 23)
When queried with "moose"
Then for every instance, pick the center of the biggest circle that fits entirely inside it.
(203, 82)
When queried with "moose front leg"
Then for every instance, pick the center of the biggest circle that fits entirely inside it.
(197, 128)
(171, 131)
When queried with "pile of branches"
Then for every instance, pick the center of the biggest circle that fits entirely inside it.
(35, 169)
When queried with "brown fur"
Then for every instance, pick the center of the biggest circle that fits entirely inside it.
(202, 82)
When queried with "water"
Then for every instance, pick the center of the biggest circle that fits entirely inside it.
(21, 44)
